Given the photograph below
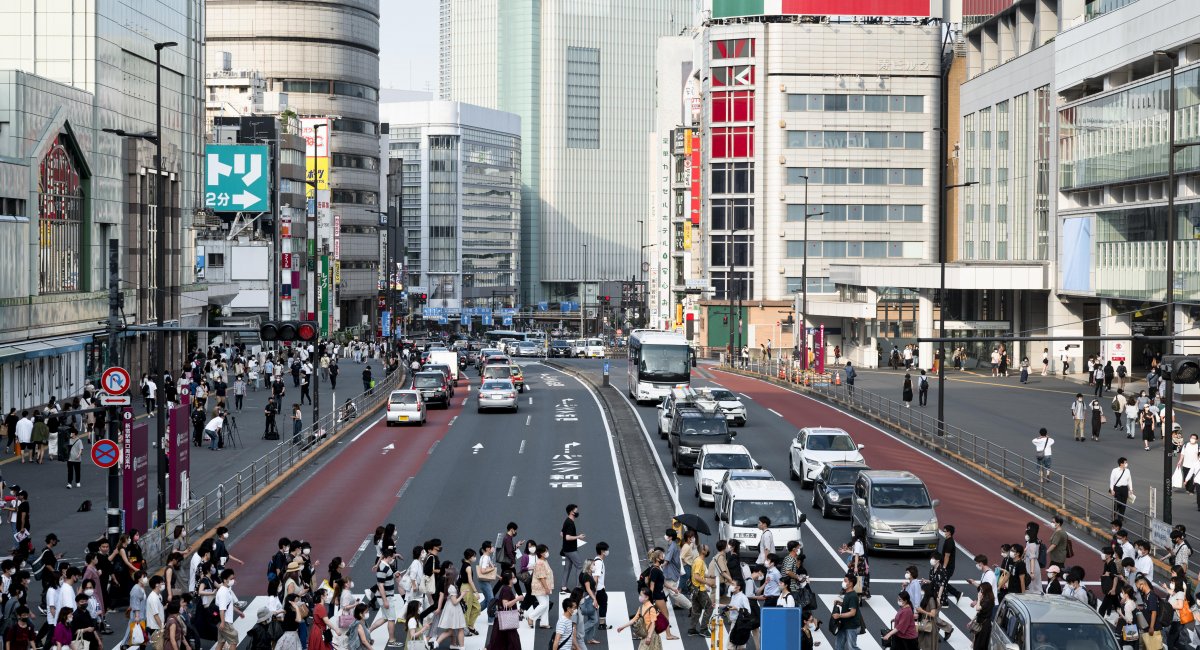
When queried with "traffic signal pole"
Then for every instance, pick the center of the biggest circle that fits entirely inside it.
(113, 419)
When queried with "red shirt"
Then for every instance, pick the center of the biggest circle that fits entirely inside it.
(905, 623)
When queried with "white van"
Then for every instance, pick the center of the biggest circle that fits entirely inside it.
(594, 348)
(447, 358)
(746, 501)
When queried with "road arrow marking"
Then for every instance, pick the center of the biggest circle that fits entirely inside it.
(568, 446)
(476, 448)
(388, 448)
(245, 199)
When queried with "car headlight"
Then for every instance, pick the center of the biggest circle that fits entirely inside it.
(686, 450)
(810, 461)
(879, 525)
(931, 526)
(832, 496)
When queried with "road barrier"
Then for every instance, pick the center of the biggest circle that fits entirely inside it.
(265, 473)
(1089, 508)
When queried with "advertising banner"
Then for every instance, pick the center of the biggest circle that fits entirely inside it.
(324, 310)
(695, 192)
(135, 478)
(178, 453)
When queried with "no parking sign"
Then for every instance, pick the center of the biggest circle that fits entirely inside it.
(106, 453)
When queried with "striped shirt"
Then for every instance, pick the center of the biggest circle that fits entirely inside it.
(385, 576)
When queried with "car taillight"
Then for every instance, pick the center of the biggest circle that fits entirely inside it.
(512, 395)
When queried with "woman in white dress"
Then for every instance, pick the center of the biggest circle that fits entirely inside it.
(453, 623)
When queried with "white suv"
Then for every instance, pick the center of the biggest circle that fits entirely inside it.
(712, 465)
(813, 447)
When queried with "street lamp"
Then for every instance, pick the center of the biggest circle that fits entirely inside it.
(941, 415)
(312, 261)
(1169, 399)
(160, 279)
(583, 294)
(804, 283)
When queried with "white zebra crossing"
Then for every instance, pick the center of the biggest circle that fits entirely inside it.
(886, 612)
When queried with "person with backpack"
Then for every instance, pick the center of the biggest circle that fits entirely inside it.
(1151, 636)
(851, 374)
(923, 389)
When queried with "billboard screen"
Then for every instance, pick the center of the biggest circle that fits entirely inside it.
(913, 8)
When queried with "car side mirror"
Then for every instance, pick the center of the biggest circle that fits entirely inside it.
(861, 447)
(757, 466)
(660, 407)
(860, 501)
(1011, 646)
(936, 502)
(717, 491)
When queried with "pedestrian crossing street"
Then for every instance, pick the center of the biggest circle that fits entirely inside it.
(878, 613)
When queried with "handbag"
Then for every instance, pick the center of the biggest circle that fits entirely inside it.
(1103, 419)
(1132, 497)
(507, 619)
(345, 621)
(1177, 478)
(137, 633)
(1185, 615)
(1129, 632)
(661, 624)
(925, 625)
(428, 585)
(79, 643)
(975, 627)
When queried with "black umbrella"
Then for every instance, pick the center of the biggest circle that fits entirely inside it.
(694, 522)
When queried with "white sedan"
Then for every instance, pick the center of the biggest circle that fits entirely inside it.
(712, 465)
(498, 393)
(813, 447)
(405, 407)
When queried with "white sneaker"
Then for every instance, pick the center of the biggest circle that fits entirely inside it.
(79, 485)
(68, 486)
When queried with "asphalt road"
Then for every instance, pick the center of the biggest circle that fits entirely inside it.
(1010, 414)
(984, 519)
(461, 478)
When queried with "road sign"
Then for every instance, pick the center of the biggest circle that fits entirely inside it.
(115, 380)
(106, 453)
(115, 400)
(236, 178)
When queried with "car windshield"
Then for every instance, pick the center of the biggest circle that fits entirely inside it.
(695, 432)
(908, 496)
(496, 385)
(831, 443)
(558, 344)
(842, 476)
(723, 395)
(727, 461)
(746, 513)
(427, 381)
(492, 372)
(404, 398)
(1071, 636)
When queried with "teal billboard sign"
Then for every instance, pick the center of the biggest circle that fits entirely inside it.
(237, 178)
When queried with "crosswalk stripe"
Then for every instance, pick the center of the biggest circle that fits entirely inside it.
(886, 612)
(866, 641)
(618, 609)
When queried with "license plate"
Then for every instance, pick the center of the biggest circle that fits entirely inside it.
(404, 418)
(906, 541)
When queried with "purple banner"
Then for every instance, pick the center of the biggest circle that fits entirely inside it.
(179, 447)
(135, 480)
(819, 348)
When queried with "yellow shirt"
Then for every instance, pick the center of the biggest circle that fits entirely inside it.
(699, 575)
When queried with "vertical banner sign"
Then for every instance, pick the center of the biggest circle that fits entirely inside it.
(819, 348)
(335, 317)
(179, 459)
(324, 310)
(695, 155)
(135, 479)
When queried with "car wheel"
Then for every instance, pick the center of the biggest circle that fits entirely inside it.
(826, 512)
(674, 464)
(792, 472)
(479, 409)
(421, 423)
(814, 500)
(521, 388)
(662, 434)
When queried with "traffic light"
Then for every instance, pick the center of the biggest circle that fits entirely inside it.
(1180, 369)
(421, 298)
(606, 300)
(288, 330)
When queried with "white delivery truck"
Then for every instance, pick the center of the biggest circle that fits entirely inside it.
(449, 358)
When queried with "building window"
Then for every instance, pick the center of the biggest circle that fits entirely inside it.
(732, 214)
(815, 285)
(732, 106)
(734, 48)
(732, 178)
(855, 176)
(353, 161)
(732, 142)
(361, 197)
(741, 249)
(856, 103)
(352, 125)
(216, 260)
(855, 139)
(60, 218)
(327, 87)
(732, 75)
(583, 98)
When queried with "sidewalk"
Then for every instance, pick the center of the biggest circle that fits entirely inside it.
(1009, 414)
(54, 507)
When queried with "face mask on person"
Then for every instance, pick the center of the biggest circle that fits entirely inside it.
(908, 576)
(641, 598)
(812, 627)
(225, 536)
(351, 584)
(144, 581)
(231, 583)
(307, 552)
(1028, 538)
(1012, 555)
(845, 585)
(932, 562)
(89, 592)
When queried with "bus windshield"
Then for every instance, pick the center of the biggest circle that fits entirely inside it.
(664, 363)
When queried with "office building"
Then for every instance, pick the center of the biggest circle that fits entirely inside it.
(325, 56)
(460, 205)
(580, 75)
(68, 71)
(1112, 93)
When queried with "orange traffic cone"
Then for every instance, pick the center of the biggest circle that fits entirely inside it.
(837, 379)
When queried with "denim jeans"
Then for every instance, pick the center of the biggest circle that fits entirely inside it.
(485, 592)
(591, 619)
(846, 639)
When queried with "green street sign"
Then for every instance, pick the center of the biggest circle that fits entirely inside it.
(237, 178)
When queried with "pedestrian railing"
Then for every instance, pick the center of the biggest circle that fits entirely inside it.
(207, 510)
(981, 456)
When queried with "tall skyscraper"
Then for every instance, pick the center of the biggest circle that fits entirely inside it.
(581, 77)
(325, 56)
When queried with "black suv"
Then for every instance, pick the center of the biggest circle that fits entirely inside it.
(560, 348)
(833, 489)
(433, 386)
(692, 427)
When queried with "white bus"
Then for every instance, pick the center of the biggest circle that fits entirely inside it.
(658, 362)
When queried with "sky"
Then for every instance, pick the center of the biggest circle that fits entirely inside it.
(408, 44)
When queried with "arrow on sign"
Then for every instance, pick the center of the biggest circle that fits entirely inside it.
(388, 448)
(476, 448)
(245, 199)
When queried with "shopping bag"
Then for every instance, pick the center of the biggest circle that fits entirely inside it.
(1177, 479)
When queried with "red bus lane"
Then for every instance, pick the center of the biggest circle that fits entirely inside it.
(982, 519)
(339, 505)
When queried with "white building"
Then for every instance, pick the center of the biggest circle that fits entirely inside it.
(461, 204)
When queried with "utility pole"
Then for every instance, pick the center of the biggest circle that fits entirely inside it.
(1169, 385)
(160, 280)
(113, 413)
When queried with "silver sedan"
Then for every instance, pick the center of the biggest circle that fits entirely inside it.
(498, 394)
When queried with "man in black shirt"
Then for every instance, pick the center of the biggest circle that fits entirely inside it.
(570, 547)
(948, 551)
(270, 433)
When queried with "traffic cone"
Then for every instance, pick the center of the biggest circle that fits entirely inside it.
(837, 379)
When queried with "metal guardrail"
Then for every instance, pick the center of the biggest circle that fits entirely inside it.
(205, 511)
(982, 456)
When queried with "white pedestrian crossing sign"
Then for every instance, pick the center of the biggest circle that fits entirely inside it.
(236, 178)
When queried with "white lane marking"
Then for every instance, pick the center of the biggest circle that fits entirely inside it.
(465, 400)
(654, 452)
(357, 554)
(966, 552)
(634, 563)
(404, 488)
(866, 641)
(432, 447)
(512, 486)
(521, 449)
(616, 603)
(777, 413)
(452, 421)
(360, 433)
(528, 419)
(745, 395)
(531, 400)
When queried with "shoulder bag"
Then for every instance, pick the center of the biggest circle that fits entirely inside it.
(925, 625)
(508, 619)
